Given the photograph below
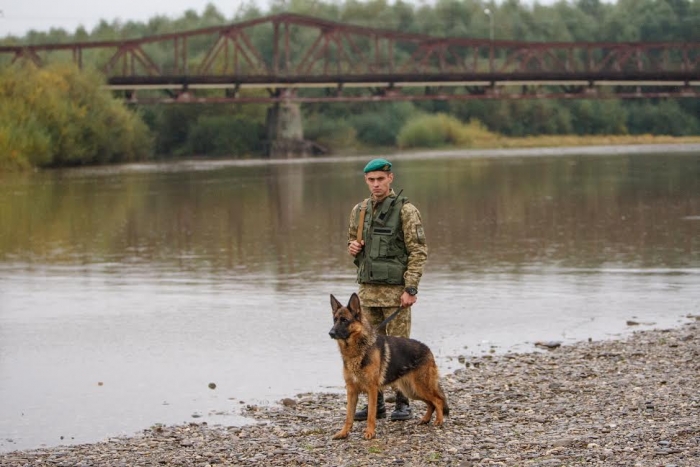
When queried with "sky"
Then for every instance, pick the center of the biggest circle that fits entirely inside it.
(17, 17)
(21, 16)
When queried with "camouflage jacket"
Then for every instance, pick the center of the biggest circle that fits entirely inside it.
(417, 249)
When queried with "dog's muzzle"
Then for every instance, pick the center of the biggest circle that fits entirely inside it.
(338, 334)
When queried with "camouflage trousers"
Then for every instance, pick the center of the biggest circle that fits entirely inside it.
(400, 326)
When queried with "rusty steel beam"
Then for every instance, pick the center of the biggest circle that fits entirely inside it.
(346, 53)
(309, 80)
(502, 87)
(398, 96)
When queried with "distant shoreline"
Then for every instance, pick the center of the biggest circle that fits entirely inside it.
(506, 147)
(454, 153)
(610, 149)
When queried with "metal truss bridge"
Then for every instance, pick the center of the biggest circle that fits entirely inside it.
(289, 57)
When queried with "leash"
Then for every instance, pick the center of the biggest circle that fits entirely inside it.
(392, 316)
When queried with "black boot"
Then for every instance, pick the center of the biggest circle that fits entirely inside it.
(402, 411)
(381, 409)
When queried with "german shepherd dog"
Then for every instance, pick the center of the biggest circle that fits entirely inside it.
(373, 361)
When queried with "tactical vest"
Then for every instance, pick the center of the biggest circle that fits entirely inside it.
(384, 258)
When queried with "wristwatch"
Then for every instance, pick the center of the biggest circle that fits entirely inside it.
(411, 291)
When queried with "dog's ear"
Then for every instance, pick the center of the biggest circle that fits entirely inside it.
(354, 305)
(335, 304)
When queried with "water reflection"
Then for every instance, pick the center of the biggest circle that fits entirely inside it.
(157, 282)
(581, 211)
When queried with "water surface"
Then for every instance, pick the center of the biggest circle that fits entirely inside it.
(125, 292)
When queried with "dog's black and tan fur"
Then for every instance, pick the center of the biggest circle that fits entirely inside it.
(373, 361)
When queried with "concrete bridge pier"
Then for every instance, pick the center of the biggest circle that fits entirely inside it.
(285, 131)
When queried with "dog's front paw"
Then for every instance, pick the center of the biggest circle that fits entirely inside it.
(342, 434)
(369, 434)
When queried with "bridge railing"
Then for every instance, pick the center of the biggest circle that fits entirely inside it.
(288, 45)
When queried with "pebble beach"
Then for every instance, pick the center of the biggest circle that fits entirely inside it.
(628, 402)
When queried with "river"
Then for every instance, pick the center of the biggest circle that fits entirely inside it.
(170, 293)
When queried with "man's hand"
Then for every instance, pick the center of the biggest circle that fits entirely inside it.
(355, 247)
(408, 299)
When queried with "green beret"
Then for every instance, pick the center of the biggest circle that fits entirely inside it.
(378, 164)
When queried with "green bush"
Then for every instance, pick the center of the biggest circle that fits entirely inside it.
(598, 117)
(220, 135)
(535, 117)
(171, 125)
(380, 127)
(475, 132)
(25, 147)
(663, 118)
(431, 131)
(330, 132)
(58, 115)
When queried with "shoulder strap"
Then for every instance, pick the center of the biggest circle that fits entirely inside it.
(361, 223)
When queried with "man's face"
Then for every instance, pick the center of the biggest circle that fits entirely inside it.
(379, 183)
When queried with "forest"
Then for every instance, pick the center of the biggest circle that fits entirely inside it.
(58, 116)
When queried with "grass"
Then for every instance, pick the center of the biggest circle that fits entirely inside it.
(440, 131)
(503, 142)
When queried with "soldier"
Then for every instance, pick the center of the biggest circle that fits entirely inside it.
(390, 252)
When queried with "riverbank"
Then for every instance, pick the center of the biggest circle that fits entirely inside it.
(549, 141)
(484, 147)
(632, 402)
(599, 144)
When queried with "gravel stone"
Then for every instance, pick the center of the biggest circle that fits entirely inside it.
(631, 402)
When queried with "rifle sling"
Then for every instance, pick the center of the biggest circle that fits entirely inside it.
(361, 224)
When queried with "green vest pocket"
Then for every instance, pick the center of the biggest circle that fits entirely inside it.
(379, 272)
(380, 246)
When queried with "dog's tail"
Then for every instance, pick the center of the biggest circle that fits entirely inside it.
(445, 407)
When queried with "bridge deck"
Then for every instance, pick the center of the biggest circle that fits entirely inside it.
(266, 53)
